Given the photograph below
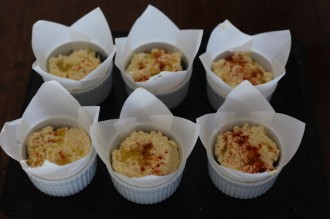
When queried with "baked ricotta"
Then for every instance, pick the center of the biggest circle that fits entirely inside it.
(60, 146)
(74, 66)
(247, 148)
(146, 153)
(144, 65)
(240, 66)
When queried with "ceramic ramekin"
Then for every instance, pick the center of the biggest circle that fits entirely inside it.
(147, 195)
(140, 192)
(96, 92)
(70, 185)
(172, 97)
(231, 186)
(216, 95)
(238, 189)
(216, 99)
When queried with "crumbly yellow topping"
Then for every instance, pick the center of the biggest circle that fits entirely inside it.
(60, 146)
(240, 66)
(144, 65)
(74, 66)
(146, 153)
(247, 148)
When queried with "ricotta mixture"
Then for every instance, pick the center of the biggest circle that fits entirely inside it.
(240, 66)
(144, 65)
(74, 66)
(247, 148)
(146, 153)
(60, 146)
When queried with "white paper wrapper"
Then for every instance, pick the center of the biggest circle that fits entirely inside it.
(142, 110)
(271, 49)
(90, 31)
(151, 30)
(52, 105)
(246, 104)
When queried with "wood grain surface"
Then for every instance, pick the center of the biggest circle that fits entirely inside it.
(308, 21)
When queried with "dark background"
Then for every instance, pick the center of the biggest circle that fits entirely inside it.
(302, 190)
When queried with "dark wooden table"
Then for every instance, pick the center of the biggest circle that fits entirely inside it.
(307, 20)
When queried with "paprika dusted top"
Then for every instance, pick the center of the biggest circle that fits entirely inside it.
(76, 65)
(60, 146)
(240, 66)
(144, 65)
(146, 153)
(247, 148)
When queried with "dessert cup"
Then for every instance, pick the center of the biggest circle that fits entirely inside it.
(63, 111)
(50, 39)
(245, 104)
(69, 185)
(153, 30)
(142, 111)
(270, 49)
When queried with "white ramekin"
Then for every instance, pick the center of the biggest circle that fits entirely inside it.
(70, 185)
(171, 98)
(216, 99)
(97, 94)
(214, 94)
(238, 189)
(138, 191)
(234, 187)
(148, 195)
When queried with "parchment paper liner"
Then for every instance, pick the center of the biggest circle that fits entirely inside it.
(48, 36)
(172, 98)
(246, 103)
(52, 105)
(96, 94)
(271, 49)
(151, 30)
(142, 110)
